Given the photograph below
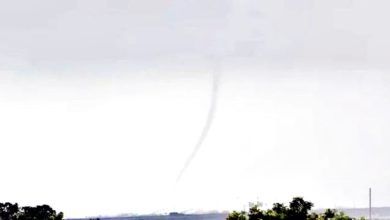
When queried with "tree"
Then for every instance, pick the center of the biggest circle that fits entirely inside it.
(299, 209)
(255, 213)
(10, 211)
(280, 210)
(341, 216)
(237, 216)
(329, 214)
(314, 216)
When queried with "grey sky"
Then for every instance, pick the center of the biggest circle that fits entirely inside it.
(58, 33)
(116, 93)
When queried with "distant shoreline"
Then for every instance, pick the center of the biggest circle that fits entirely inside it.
(175, 216)
(378, 213)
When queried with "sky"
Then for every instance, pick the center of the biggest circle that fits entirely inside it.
(102, 102)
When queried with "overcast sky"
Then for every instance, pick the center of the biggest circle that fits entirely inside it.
(101, 102)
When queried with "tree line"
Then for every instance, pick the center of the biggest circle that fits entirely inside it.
(297, 209)
(9, 211)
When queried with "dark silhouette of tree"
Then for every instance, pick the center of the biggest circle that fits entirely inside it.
(329, 214)
(41, 212)
(334, 215)
(255, 213)
(299, 209)
(280, 211)
(10, 211)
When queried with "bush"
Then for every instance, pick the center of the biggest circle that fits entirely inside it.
(298, 209)
(9, 211)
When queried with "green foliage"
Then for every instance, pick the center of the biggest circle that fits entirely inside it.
(341, 216)
(255, 213)
(298, 209)
(10, 211)
(280, 211)
(314, 216)
(237, 216)
(333, 214)
(329, 213)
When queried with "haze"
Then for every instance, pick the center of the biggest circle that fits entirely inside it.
(101, 102)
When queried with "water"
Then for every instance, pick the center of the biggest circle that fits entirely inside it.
(216, 216)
